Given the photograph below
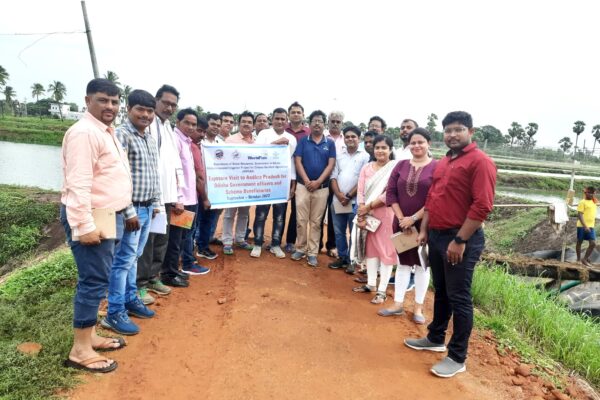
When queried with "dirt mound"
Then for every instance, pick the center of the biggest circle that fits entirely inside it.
(544, 237)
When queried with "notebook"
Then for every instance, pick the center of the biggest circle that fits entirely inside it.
(183, 220)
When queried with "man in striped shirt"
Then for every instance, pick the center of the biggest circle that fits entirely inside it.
(140, 148)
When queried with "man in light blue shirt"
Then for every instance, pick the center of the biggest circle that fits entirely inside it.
(344, 184)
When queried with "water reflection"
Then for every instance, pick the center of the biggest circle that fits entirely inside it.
(30, 165)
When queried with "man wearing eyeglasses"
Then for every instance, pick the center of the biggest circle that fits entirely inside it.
(315, 159)
(336, 120)
(459, 200)
(171, 178)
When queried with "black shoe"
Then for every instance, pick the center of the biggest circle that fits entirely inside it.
(183, 275)
(350, 269)
(207, 253)
(338, 264)
(175, 281)
(216, 242)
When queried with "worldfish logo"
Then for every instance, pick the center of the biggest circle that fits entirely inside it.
(219, 154)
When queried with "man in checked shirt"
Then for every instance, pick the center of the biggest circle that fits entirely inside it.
(140, 148)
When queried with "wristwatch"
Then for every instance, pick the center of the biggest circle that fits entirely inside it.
(459, 240)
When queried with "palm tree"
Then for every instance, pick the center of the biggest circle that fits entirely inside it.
(113, 77)
(59, 91)
(515, 132)
(37, 89)
(565, 144)
(9, 93)
(3, 76)
(596, 134)
(578, 128)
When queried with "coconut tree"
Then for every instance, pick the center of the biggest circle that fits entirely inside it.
(58, 92)
(596, 134)
(3, 76)
(9, 94)
(37, 89)
(113, 77)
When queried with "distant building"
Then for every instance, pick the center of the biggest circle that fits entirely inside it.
(64, 110)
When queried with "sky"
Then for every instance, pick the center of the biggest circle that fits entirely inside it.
(502, 61)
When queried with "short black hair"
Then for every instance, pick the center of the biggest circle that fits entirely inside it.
(279, 110)
(590, 189)
(370, 134)
(101, 85)
(225, 114)
(388, 140)
(462, 117)
(142, 98)
(213, 116)
(378, 118)
(246, 114)
(411, 120)
(317, 113)
(258, 115)
(419, 131)
(167, 89)
(295, 104)
(186, 111)
(352, 128)
(202, 123)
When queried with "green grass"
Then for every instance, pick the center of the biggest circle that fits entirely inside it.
(36, 306)
(33, 130)
(22, 217)
(503, 233)
(539, 327)
(542, 182)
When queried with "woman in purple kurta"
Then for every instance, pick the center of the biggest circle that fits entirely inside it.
(406, 193)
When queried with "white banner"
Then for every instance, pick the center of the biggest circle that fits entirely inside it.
(245, 175)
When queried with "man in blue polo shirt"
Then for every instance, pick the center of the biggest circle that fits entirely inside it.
(315, 159)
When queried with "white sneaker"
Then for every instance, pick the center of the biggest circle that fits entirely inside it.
(277, 251)
(256, 250)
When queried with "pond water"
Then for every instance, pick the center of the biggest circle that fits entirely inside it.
(542, 196)
(30, 165)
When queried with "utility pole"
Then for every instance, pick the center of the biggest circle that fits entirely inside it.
(88, 32)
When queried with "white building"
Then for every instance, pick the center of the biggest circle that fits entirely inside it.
(64, 110)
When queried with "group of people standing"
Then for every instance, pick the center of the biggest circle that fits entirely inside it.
(366, 191)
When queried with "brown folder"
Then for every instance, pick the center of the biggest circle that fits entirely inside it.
(105, 220)
(183, 220)
(404, 241)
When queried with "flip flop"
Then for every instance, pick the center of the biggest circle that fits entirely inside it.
(83, 365)
(361, 279)
(362, 289)
(122, 343)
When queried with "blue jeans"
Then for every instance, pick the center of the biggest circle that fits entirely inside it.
(260, 218)
(187, 245)
(204, 222)
(93, 268)
(122, 285)
(452, 285)
(341, 223)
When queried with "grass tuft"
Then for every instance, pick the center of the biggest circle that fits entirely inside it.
(531, 319)
(36, 306)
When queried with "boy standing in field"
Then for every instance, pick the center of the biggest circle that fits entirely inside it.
(586, 218)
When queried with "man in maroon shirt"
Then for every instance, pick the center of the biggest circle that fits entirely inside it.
(459, 200)
(297, 128)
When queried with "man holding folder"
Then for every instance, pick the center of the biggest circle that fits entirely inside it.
(95, 177)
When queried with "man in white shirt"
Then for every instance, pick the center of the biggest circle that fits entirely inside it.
(344, 184)
(405, 128)
(275, 135)
(170, 177)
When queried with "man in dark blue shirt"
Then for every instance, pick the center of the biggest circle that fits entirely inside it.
(315, 159)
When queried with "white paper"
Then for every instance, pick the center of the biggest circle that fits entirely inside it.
(159, 223)
(341, 209)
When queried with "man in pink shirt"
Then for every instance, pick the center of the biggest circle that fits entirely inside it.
(96, 176)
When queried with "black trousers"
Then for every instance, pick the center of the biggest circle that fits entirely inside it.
(170, 265)
(452, 285)
(290, 235)
(330, 244)
(150, 263)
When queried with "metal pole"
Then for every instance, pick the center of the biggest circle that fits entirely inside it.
(90, 41)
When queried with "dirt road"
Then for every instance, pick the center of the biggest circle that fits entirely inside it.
(287, 331)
